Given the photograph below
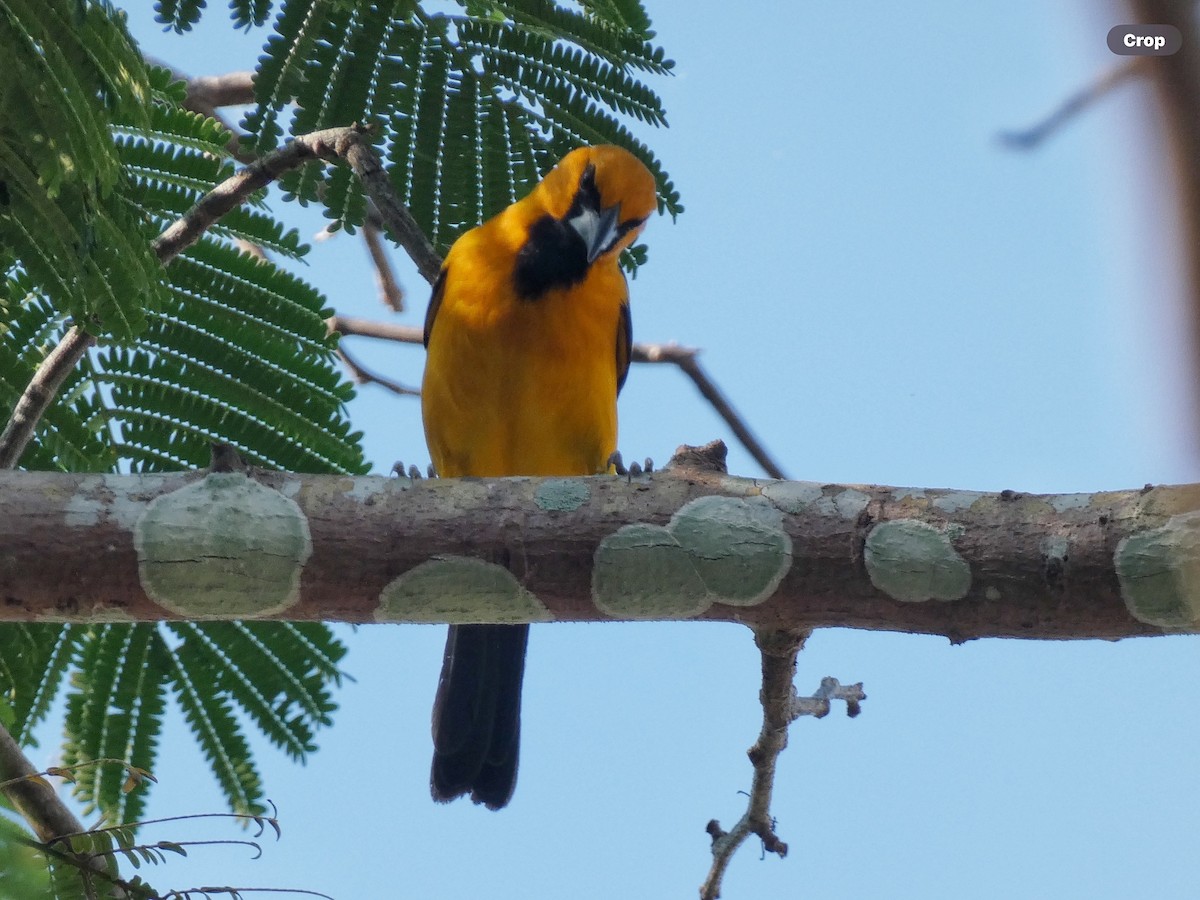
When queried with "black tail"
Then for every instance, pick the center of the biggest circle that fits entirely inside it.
(477, 714)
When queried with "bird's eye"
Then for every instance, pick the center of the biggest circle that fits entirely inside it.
(629, 225)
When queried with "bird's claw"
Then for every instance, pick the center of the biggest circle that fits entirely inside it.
(617, 464)
(412, 472)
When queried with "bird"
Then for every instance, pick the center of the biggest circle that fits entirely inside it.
(528, 339)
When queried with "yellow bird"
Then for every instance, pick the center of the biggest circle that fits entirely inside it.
(528, 339)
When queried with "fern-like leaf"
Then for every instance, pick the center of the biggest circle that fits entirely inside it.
(214, 726)
(472, 109)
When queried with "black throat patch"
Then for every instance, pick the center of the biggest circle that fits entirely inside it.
(553, 256)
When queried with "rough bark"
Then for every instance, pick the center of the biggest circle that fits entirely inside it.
(679, 544)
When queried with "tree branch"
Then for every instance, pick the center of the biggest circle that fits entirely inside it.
(31, 795)
(40, 393)
(331, 143)
(363, 375)
(680, 544)
(781, 706)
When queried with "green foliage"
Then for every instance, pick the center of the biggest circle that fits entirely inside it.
(279, 676)
(23, 872)
(85, 865)
(472, 108)
(219, 346)
(98, 157)
(73, 73)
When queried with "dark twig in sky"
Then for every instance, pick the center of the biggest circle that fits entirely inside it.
(1074, 105)
(781, 706)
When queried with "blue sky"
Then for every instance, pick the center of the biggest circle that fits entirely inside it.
(889, 296)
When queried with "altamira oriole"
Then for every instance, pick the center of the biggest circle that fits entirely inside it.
(528, 334)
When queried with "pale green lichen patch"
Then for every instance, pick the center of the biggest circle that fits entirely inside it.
(850, 502)
(714, 550)
(561, 494)
(912, 561)
(1159, 573)
(459, 589)
(738, 547)
(1055, 546)
(793, 497)
(642, 572)
(221, 548)
(956, 501)
(1064, 502)
(738, 486)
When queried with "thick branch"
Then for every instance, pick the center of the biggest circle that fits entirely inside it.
(680, 544)
(31, 795)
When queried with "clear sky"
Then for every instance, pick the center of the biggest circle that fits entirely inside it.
(890, 296)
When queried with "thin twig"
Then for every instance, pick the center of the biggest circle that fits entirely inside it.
(708, 388)
(781, 706)
(1074, 105)
(363, 375)
(390, 291)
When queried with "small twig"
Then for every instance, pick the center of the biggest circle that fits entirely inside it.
(1073, 105)
(362, 375)
(389, 288)
(385, 331)
(781, 706)
(708, 388)
(206, 93)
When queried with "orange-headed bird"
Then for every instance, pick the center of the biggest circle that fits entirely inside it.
(528, 334)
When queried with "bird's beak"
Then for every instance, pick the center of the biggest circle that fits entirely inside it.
(598, 228)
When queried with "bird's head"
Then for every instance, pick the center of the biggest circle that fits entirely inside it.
(604, 194)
